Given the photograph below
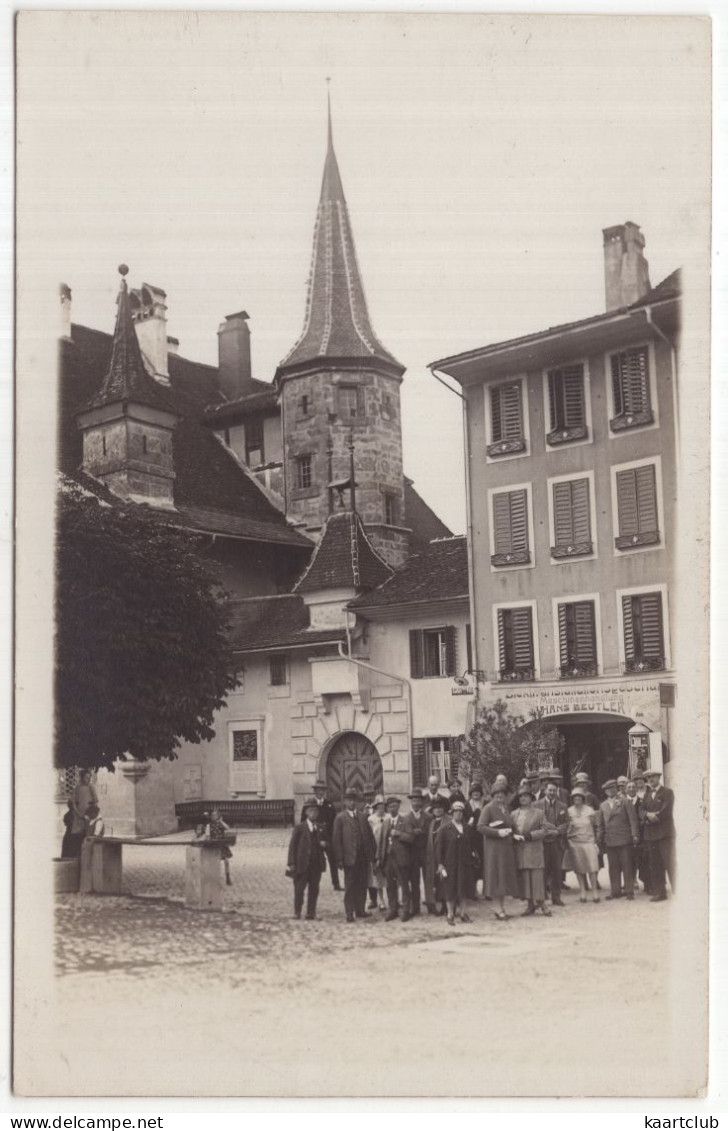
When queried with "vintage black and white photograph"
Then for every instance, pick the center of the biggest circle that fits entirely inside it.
(362, 476)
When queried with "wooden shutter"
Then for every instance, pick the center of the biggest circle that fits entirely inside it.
(469, 647)
(455, 747)
(637, 501)
(627, 502)
(416, 642)
(564, 634)
(646, 498)
(511, 408)
(617, 385)
(496, 416)
(580, 510)
(573, 392)
(554, 400)
(630, 381)
(628, 622)
(451, 651)
(504, 638)
(522, 638)
(650, 609)
(584, 631)
(419, 763)
(563, 517)
(502, 523)
(519, 520)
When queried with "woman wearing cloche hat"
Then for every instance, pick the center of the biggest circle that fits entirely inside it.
(581, 853)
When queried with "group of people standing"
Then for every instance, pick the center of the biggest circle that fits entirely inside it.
(516, 844)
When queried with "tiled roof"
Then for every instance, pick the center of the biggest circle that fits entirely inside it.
(421, 519)
(264, 623)
(239, 526)
(336, 322)
(669, 288)
(126, 378)
(436, 572)
(207, 475)
(264, 399)
(344, 558)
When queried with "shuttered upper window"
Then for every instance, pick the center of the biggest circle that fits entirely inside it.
(510, 528)
(515, 644)
(631, 389)
(644, 647)
(637, 507)
(572, 519)
(577, 639)
(567, 405)
(506, 419)
(432, 652)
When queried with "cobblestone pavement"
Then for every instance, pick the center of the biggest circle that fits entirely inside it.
(588, 974)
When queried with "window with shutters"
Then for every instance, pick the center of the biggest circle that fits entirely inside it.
(577, 639)
(567, 405)
(515, 645)
(433, 652)
(304, 472)
(571, 515)
(254, 448)
(631, 399)
(510, 528)
(438, 759)
(636, 506)
(644, 638)
(507, 433)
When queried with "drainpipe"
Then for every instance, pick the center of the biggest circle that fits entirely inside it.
(673, 364)
(379, 671)
(468, 538)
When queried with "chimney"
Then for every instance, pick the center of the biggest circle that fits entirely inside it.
(626, 271)
(65, 291)
(233, 346)
(149, 313)
(172, 345)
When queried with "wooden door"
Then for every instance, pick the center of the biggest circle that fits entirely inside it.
(353, 763)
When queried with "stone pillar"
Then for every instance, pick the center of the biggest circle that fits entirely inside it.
(203, 882)
(137, 799)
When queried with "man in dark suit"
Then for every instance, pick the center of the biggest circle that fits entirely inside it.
(398, 863)
(354, 849)
(556, 813)
(618, 833)
(306, 860)
(417, 822)
(325, 815)
(659, 834)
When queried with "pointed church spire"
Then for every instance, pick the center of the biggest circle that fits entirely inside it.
(336, 324)
(127, 379)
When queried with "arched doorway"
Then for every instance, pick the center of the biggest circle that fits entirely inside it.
(353, 763)
(594, 743)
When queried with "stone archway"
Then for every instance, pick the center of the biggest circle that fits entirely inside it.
(353, 762)
(595, 742)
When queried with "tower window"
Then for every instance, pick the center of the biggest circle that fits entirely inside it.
(387, 407)
(390, 508)
(350, 402)
(304, 404)
(304, 472)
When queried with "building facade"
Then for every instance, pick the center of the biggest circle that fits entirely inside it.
(571, 465)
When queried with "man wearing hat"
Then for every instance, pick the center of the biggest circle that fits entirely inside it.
(325, 814)
(557, 816)
(398, 863)
(417, 823)
(306, 859)
(622, 785)
(590, 798)
(635, 792)
(618, 833)
(354, 849)
(659, 834)
(434, 895)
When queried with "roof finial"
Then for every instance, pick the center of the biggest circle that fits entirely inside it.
(123, 271)
(328, 99)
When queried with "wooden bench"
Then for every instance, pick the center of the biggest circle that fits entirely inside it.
(101, 867)
(261, 812)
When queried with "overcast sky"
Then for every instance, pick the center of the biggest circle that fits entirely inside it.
(481, 157)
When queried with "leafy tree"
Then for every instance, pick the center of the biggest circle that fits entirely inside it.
(143, 660)
(501, 743)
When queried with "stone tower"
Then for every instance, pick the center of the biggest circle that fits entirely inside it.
(340, 385)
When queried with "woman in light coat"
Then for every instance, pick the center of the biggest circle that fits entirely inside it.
(376, 882)
(496, 827)
(529, 830)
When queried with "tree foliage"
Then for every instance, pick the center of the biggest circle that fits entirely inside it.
(143, 660)
(501, 743)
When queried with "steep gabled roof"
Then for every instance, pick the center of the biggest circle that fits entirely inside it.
(208, 478)
(420, 518)
(344, 558)
(336, 323)
(260, 624)
(436, 572)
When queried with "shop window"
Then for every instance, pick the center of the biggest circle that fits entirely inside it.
(572, 518)
(432, 652)
(567, 405)
(278, 671)
(577, 639)
(644, 647)
(631, 389)
(515, 644)
(304, 472)
(637, 507)
(506, 419)
(510, 528)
